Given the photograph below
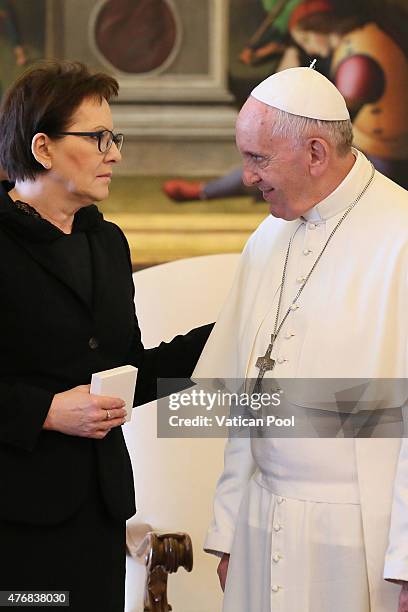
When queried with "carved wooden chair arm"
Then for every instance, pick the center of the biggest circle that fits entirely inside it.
(163, 554)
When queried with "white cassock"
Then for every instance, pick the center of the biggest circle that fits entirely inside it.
(307, 521)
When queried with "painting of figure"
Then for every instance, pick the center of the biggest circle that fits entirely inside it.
(361, 45)
(368, 62)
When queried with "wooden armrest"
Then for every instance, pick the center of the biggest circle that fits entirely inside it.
(163, 554)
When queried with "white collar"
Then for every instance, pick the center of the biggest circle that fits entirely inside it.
(345, 193)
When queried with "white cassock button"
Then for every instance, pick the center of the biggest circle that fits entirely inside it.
(311, 226)
(275, 588)
(276, 558)
(300, 280)
(307, 251)
(281, 360)
(277, 527)
(289, 335)
(280, 500)
(294, 306)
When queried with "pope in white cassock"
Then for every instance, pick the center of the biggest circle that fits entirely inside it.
(313, 525)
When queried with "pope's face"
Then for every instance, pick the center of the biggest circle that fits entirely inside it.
(277, 166)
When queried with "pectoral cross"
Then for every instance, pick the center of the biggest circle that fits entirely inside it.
(265, 364)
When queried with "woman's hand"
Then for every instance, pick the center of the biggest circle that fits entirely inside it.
(77, 413)
(222, 570)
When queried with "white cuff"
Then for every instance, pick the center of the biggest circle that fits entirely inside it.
(396, 570)
(217, 543)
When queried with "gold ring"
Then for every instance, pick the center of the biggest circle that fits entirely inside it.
(108, 415)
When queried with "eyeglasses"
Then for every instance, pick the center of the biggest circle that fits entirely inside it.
(105, 138)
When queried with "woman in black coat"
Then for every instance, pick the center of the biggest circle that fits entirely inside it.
(66, 295)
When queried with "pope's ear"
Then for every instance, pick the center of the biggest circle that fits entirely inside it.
(319, 153)
(41, 150)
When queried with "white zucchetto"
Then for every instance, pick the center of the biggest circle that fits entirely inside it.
(304, 92)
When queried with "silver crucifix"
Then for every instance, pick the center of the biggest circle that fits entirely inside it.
(265, 364)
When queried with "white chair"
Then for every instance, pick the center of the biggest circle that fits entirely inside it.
(175, 478)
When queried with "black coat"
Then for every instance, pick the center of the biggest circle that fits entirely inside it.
(52, 339)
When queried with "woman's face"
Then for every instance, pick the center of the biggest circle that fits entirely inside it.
(313, 43)
(78, 167)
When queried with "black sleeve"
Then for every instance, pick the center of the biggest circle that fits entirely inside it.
(23, 410)
(176, 359)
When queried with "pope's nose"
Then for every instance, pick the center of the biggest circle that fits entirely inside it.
(250, 178)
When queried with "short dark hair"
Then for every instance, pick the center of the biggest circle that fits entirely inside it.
(44, 99)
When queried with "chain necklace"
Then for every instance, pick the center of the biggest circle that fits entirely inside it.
(266, 363)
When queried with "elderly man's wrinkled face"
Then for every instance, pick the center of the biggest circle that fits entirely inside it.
(275, 165)
(81, 170)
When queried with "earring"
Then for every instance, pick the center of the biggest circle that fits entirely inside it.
(47, 166)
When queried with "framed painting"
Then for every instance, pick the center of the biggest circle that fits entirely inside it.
(157, 49)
